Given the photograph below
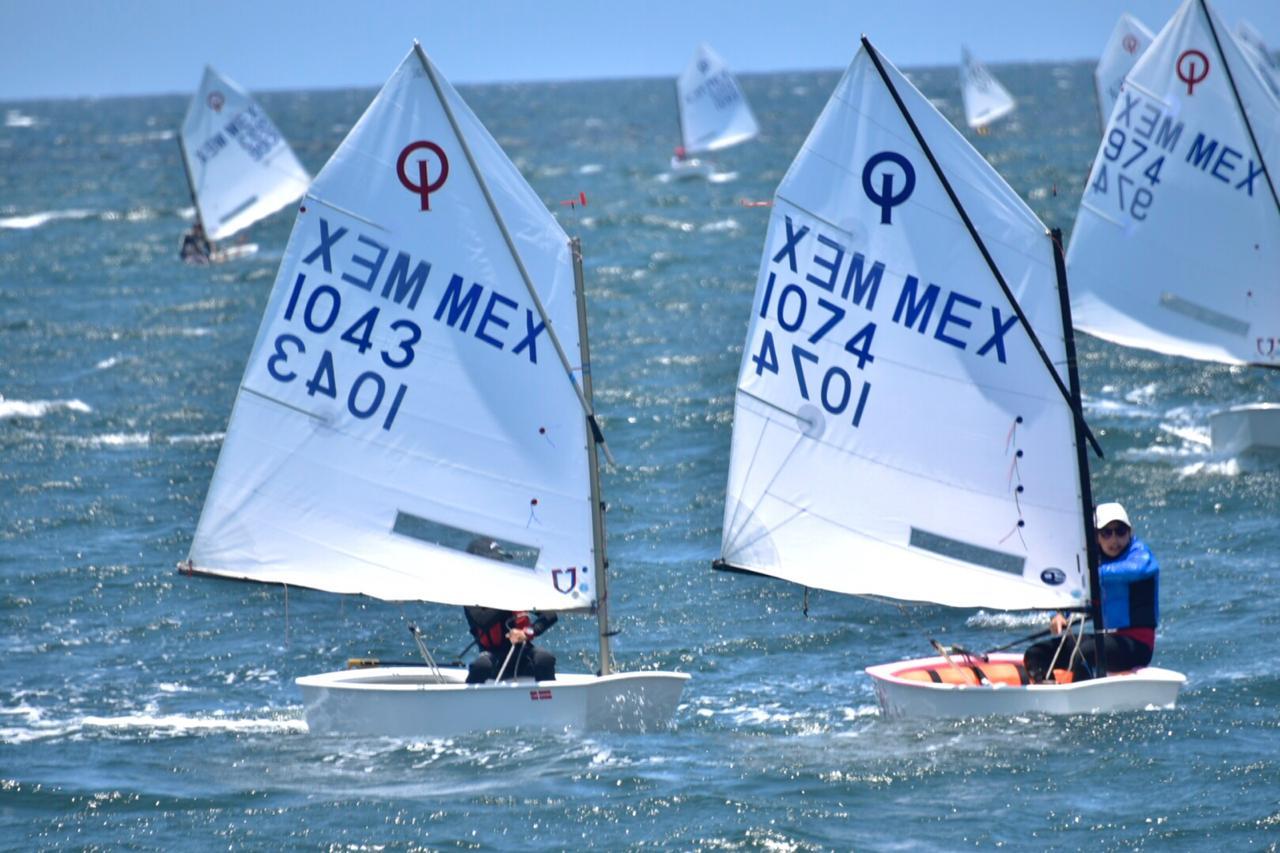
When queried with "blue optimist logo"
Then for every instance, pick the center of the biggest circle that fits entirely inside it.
(1053, 577)
(884, 196)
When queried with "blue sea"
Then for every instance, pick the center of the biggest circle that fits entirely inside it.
(142, 709)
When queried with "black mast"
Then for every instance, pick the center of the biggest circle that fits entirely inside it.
(1082, 457)
(973, 232)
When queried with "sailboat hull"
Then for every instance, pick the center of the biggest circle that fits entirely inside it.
(1242, 428)
(689, 169)
(411, 701)
(907, 689)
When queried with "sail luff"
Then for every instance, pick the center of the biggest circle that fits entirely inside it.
(599, 553)
(191, 186)
(1082, 458)
(506, 236)
(973, 232)
(684, 134)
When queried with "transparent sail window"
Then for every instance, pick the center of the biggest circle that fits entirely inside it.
(470, 542)
(945, 546)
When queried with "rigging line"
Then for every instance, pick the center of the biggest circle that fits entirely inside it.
(1235, 93)
(502, 227)
(973, 231)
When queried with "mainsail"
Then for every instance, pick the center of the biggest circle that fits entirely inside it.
(985, 100)
(1176, 246)
(1128, 41)
(408, 391)
(714, 113)
(897, 432)
(239, 165)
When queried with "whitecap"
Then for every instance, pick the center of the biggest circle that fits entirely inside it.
(35, 220)
(720, 225)
(39, 408)
(113, 439)
(198, 438)
(16, 118)
(181, 724)
(590, 169)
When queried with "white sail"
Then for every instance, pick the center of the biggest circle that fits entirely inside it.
(1175, 248)
(714, 113)
(240, 167)
(1128, 41)
(895, 431)
(403, 396)
(1255, 47)
(985, 100)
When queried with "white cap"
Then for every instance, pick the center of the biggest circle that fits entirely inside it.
(1107, 513)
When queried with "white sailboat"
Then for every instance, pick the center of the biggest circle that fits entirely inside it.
(1128, 41)
(410, 390)
(985, 100)
(1255, 47)
(239, 167)
(902, 427)
(1177, 243)
(714, 113)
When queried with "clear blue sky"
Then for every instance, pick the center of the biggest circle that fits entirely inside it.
(71, 48)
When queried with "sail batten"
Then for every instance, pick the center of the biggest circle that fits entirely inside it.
(238, 164)
(405, 397)
(901, 287)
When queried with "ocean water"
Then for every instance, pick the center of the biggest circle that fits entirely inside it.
(143, 709)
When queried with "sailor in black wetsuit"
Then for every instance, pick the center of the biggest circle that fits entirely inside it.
(196, 248)
(497, 632)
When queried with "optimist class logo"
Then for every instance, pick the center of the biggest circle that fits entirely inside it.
(1192, 68)
(216, 99)
(425, 186)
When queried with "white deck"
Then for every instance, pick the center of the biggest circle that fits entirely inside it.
(1149, 688)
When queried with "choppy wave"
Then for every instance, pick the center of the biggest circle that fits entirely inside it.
(35, 220)
(112, 439)
(146, 724)
(39, 408)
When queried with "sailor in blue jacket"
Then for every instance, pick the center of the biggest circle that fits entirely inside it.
(1130, 578)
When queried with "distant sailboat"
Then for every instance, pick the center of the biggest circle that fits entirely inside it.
(714, 113)
(907, 418)
(1128, 41)
(410, 392)
(1176, 246)
(1255, 46)
(239, 167)
(985, 100)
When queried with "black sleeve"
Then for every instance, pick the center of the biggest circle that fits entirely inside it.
(544, 622)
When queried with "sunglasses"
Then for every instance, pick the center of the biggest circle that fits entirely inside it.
(1108, 532)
